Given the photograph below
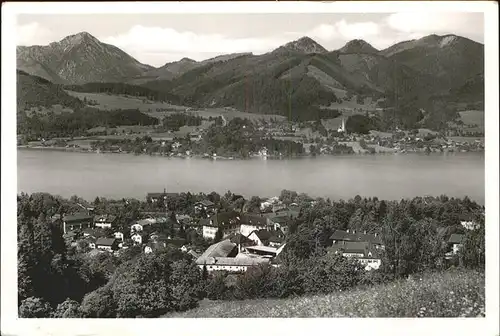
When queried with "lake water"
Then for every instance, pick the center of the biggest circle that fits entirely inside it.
(339, 177)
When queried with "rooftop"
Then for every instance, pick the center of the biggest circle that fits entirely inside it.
(220, 219)
(105, 241)
(355, 236)
(238, 261)
(254, 219)
(456, 238)
(267, 249)
(221, 249)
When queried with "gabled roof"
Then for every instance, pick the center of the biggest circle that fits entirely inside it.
(77, 217)
(263, 235)
(365, 248)
(177, 242)
(105, 241)
(360, 237)
(222, 249)
(456, 238)
(254, 219)
(104, 218)
(206, 203)
(220, 219)
(240, 239)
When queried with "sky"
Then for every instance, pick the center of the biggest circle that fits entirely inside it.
(157, 39)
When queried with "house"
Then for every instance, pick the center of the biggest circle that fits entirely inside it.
(194, 136)
(365, 252)
(264, 251)
(205, 205)
(104, 221)
(155, 197)
(229, 222)
(455, 242)
(468, 222)
(277, 238)
(241, 263)
(136, 228)
(108, 244)
(260, 237)
(154, 246)
(138, 238)
(251, 222)
(222, 249)
(280, 223)
(340, 236)
(75, 221)
(241, 241)
(224, 256)
(193, 254)
(119, 236)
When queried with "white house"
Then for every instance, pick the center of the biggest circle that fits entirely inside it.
(468, 222)
(104, 221)
(119, 236)
(252, 222)
(108, 244)
(363, 251)
(455, 242)
(228, 222)
(136, 228)
(136, 238)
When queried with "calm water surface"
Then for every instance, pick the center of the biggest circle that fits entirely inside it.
(341, 177)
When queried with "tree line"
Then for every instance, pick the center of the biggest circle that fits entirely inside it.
(78, 122)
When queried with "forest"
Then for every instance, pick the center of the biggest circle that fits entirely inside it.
(50, 125)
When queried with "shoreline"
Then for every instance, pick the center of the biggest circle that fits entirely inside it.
(234, 158)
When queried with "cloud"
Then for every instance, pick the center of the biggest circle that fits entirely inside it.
(431, 23)
(33, 34)
(357, 30)
(153, 42)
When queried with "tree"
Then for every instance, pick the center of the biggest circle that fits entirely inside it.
(186, 285)
(99, 304)
(34, 307)
(68, 309)
(142, 287)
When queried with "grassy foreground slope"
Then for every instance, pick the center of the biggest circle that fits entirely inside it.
(455, 293)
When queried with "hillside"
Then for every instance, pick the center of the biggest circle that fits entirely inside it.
(37, 91)
(79, 58)
(173, 70)
(269, 83)
(300, 79)
(453, 293)
(125, 89)
(452, 59)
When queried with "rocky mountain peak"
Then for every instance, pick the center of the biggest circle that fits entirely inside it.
(358, 46)
(305, 45)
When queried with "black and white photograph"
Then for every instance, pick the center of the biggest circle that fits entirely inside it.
(335, 161)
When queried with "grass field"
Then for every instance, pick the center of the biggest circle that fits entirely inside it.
(449, 294)
(473, 117)
(109, 102)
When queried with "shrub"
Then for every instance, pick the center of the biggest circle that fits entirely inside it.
(34, 307)
(99, 303)
(68, 309)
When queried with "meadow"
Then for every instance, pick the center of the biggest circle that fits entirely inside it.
(454, 293)
(160, 109)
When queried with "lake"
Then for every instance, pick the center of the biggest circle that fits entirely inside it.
(339, 177)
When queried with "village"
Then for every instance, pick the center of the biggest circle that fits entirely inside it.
(312, 137)
(236, 240)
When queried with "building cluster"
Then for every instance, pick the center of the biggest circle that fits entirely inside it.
(242, 239)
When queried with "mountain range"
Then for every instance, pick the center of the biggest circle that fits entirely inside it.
(299, 75)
